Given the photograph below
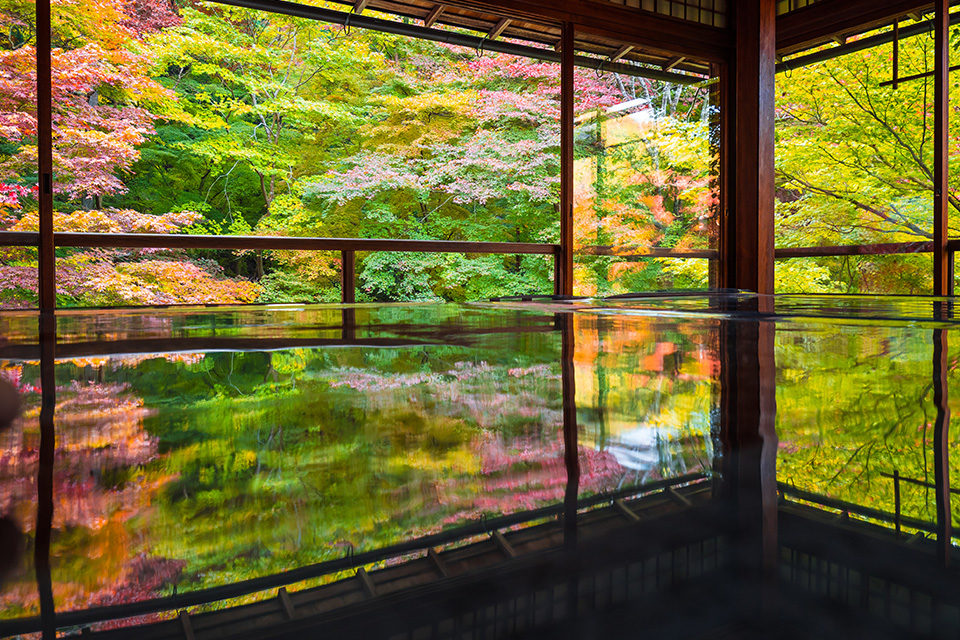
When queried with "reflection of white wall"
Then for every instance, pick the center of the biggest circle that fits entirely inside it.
(642, 103)
(635, 449)
(641, 117)
(649, 448)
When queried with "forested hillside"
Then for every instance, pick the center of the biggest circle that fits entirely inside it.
(193, 117)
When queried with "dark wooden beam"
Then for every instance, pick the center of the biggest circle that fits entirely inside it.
(622, 51)
(941, 140)
(747, 249)
(498, 29)
(47, 258)
(566, 160)
(658, 33)
(182, 241)
(823, 20)
(431, 18)
(673, 62)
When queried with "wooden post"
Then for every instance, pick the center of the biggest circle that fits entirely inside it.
(46, 259)
(748, 246)
(566, 160)
(558, 271)
(941, 268)
(348, 285)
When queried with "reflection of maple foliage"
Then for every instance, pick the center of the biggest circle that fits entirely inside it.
(523, 473)
(143, 578)
(101, 445)
(100, 428)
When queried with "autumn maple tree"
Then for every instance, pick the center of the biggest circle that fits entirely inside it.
(105, 106)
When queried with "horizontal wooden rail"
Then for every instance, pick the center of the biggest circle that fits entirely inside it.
(914, 481)
(889, 248)
(180, 241)
(32, 624)
(19, 239)
(349, 246)
(279, 243)
(640, 253)
(883, 249)
(346, 246)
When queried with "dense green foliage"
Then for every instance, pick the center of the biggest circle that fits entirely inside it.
(204, 118)
(223, 120)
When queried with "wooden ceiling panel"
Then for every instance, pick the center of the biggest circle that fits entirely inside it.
(825, 20)
(513, 25)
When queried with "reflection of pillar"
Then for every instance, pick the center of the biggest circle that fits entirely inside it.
(571, 459)
(749, 443)
(348, 326)
(940, 445)
(601, 383)
(48, 397)
(570, 453)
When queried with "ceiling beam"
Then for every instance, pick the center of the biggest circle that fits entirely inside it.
(659, 34)
(672, 63)
(359, 6)
(498, 29)
(622, 51)
(825, 20)
(323, 14)
(431, 18)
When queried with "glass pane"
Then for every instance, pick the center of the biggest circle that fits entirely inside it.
(645, 184)
(855, 167)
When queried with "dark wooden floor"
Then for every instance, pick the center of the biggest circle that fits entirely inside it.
(657, 566)
(467, 571)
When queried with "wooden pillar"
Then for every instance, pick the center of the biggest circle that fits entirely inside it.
(566, 161)
(46, 263)
(941, 259)
(747, 231)
(348, 279)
